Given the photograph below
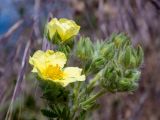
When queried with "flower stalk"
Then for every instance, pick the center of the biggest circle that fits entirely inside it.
(93, 98)
(93, 82)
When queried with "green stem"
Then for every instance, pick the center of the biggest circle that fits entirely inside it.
(95, 97)
(89, 89)
(99, 94)
(76, 96)
(93, 82)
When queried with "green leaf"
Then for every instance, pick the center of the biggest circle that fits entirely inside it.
(48, 113)
(54, 92)
(61, 111)
(140, 55)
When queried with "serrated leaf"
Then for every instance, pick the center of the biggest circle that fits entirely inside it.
(48, 113)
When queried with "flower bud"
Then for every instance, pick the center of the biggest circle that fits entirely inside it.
(98, 64)
(126, 84)
(121, 40)
(140, 55)
(108, 51)
(110, 77)
(117, 79)
(134, 75)
(61, 30)
(128, 58)
(130, 81)
(84, 48)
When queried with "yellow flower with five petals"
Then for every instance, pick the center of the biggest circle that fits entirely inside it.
(49, 65)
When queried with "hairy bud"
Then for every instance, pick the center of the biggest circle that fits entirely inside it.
(84, 48)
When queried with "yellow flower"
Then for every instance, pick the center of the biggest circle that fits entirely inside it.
(64, 27)
(49, 65)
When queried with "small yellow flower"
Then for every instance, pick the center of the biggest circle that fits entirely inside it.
(64, 27)
(50, 66)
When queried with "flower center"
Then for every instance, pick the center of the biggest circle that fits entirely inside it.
(54, 72)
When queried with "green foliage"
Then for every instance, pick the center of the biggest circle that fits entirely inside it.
(57, 100)
(118, 60)
(48, 113)
(57, 111)
(53, 92)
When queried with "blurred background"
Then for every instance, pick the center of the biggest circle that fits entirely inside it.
(21, 32)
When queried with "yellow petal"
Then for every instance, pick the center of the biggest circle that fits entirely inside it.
(70, 80)
(70, 27)
(56, 58)
(72, 32)
(51, 26)
(38, 60)
(61, 30)
(72, 71)
(72, 74)
(53, 21)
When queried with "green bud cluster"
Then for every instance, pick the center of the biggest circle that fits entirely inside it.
(116, 57)
(121, 72)
(117, 79)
